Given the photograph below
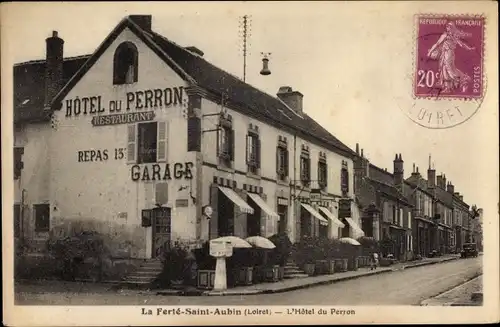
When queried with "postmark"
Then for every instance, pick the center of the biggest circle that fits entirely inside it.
(448, 82)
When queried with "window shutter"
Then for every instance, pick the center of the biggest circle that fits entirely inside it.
(218, 141)
(277, 159)
(162, 141)
(257, 152)
(286, 163)
(326, 174)
(131, 143)
(308, 169)
(248, 149)
(231, 144)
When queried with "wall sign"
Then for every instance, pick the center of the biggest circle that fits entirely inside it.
(162, 172)
(122, 111)
(344, 208)
(129, 118)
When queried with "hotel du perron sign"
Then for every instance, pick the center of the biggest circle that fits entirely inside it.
(138, 107)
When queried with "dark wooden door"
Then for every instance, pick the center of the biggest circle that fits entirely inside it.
(161, 230)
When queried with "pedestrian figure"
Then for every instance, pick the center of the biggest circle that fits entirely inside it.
(374, 261)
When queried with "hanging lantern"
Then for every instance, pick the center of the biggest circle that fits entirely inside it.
(265, 66)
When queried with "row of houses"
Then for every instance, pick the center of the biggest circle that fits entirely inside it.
(150, 143)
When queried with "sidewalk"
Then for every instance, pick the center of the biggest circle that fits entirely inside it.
(299, 283)
(469, 293)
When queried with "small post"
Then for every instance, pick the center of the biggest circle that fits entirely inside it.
(220, 250)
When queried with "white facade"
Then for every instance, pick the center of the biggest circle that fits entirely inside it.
(88, 175)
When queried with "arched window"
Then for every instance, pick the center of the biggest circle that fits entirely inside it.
(125, 64)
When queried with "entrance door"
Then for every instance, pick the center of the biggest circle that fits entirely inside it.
(283, 213)
(161, 230)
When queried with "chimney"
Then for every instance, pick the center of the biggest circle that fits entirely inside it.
(444, 181)
(53, 67)
(292, 98)
(195, 50)
(361, 166)
(461, 197)
(440, 181)
(450, 188)
(398, 171)
(144, 21)
(431, 175)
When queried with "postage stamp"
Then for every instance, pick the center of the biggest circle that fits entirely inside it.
(450, 53)
(447, 83)
(449, 61)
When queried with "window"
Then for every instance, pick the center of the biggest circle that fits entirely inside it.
(344, 180)
(253, 153)
(18, 163)
(322, 173)
(305, 168)
(149, 144)
(125, 64)
(147, 137)
(400, 217)
(282, 161)
(409, 219)
(394, 215)
(17, 220)
(225, 145)
(42, 217)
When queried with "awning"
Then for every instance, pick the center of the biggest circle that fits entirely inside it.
(355, 226)
(235, 198)
(263, 205)
(316, 214)
(332, 217)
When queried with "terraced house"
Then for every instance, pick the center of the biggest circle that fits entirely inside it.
(385, 211)
(441, 218)
(139, 138)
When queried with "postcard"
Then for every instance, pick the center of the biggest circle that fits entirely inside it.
(231, 163)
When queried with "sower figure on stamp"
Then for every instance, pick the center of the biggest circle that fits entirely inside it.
(450, 77)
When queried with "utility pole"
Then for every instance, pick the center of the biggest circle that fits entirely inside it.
(245, 26)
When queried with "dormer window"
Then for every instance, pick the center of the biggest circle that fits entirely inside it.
(125, 67)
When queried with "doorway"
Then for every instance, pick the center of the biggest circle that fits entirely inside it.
(162, 222)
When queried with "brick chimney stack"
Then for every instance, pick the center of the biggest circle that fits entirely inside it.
(53, 67)
(450, 188)
(144, 21)
(292, 98)
(440, 181)
(431, 175)
(361, 167)
(398, 171)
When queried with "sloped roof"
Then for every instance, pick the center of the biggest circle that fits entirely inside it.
(29, 87)
(389, 190)
(218, 81)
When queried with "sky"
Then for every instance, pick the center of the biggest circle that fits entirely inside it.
(348, 59)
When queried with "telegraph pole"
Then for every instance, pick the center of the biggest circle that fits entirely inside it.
(245, 26)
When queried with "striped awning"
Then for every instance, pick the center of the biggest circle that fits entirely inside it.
(355, 227)
(332, 217)
(316, 214)
(235, 198)
(263, 205)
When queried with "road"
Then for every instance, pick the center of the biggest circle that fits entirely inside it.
(405, 287)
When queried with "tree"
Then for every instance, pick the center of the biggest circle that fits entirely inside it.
(474, 214)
